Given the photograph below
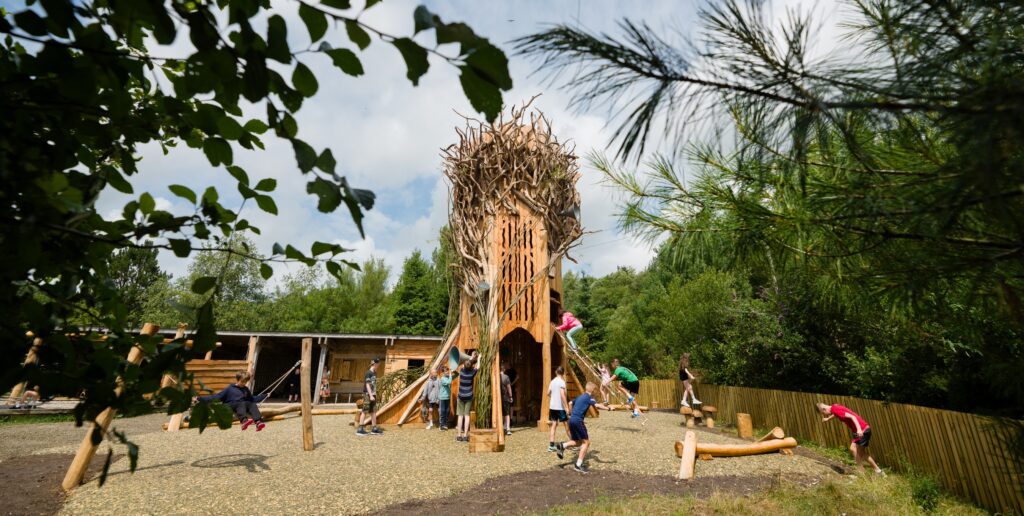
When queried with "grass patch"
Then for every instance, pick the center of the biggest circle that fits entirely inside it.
(893, 494)
(28, 419)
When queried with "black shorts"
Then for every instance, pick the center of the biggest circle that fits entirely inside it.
(506, 407)
(632, 387)
(578, 430)
(557, 415)
(864, 439)
(683, 376)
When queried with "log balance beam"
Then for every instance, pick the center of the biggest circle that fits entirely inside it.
(279, 414)
(739, 450)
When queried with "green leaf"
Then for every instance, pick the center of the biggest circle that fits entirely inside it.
(239, 174)
(204, 284)
(206, 334)
(347, 61)
(490, 63)
(266, 185)
(218, 151)
(316, 22)
(277, 40)
(415, 58)
(223, 415)
(305, 155)
(146, 203)
(326, 161)
(255, 126)
(422, 19)
(371, 3)
(30, 22)
(304, 80)
(181, 247)
(277, 249)
(184, 192)
(267, 204)
(210, 195)
(357, 35)
(266, 271)
(116, 180)
(228, 127)
(456, 33)
(483, 95)
(337, 4)
(328, 193)
(199, 416)
(321, 248)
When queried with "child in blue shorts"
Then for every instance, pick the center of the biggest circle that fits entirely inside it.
(577, 428)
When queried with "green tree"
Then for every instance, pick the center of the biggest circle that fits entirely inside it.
(133, 273)
(419, 310)
(84, 84)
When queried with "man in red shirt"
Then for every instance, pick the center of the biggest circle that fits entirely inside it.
(860, 433)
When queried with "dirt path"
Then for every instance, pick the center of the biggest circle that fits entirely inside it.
(348, 474)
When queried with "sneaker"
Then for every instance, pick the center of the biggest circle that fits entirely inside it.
(685, 404)
(879, 472)
(441, 428)
(552, 447)
(362, 431)
(429, 426)
(560, 450)
(636, 413)
(260, 426)
(582, 469)
(697, 402)
(246, 423)
(376, 431)
(508, 432)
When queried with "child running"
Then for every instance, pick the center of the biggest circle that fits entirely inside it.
(240, 399)
(369, 401)
(556, 406)
(860, 433)
(570, 325)
(578, 429)
(465, 405)
(630, 384)
(444, 396)
(685, 376)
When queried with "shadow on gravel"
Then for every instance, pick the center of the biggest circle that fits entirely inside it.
(252, 462)
(538, 491)
(155, 466)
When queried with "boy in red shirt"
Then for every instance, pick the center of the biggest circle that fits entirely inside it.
(860, 432)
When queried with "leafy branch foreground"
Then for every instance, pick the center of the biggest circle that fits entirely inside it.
(84, 84)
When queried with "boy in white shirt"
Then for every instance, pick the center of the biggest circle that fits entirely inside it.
(557, 406)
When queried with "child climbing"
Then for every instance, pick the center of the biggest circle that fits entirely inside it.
(241, 400)
(465, 404)
(629, 384)
(429, 399)
(578, 429)
(605, 380)
(556, 406)
(686, 376)
(444, 396)
(860, 433)
(369, 401)
(570, 325)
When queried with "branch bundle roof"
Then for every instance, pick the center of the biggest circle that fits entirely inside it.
(494, 165)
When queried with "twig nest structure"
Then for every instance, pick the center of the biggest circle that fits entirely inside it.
(495, 168)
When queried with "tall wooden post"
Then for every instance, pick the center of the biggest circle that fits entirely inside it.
(30, 358)
(307, 407)
(320, 370)
(175, 423)
(87, 449)
(250, 359)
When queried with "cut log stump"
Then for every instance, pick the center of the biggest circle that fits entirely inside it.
(744, 426)
(776, 433)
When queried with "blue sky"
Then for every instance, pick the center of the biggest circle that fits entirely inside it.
(387, 135)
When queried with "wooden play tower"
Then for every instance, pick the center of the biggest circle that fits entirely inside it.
(514, 216)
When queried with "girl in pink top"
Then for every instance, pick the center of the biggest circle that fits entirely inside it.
(860, 432)
(570, 325)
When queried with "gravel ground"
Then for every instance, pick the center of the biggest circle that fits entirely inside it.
(223, 472)
(31, 439)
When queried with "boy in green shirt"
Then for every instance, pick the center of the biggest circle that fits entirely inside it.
(630, 384)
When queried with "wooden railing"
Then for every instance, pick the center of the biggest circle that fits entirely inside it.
(967, 453)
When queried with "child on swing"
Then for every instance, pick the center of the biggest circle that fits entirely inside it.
(241, 400)
(570, 325)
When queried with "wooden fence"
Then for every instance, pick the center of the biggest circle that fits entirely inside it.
(967, 453)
